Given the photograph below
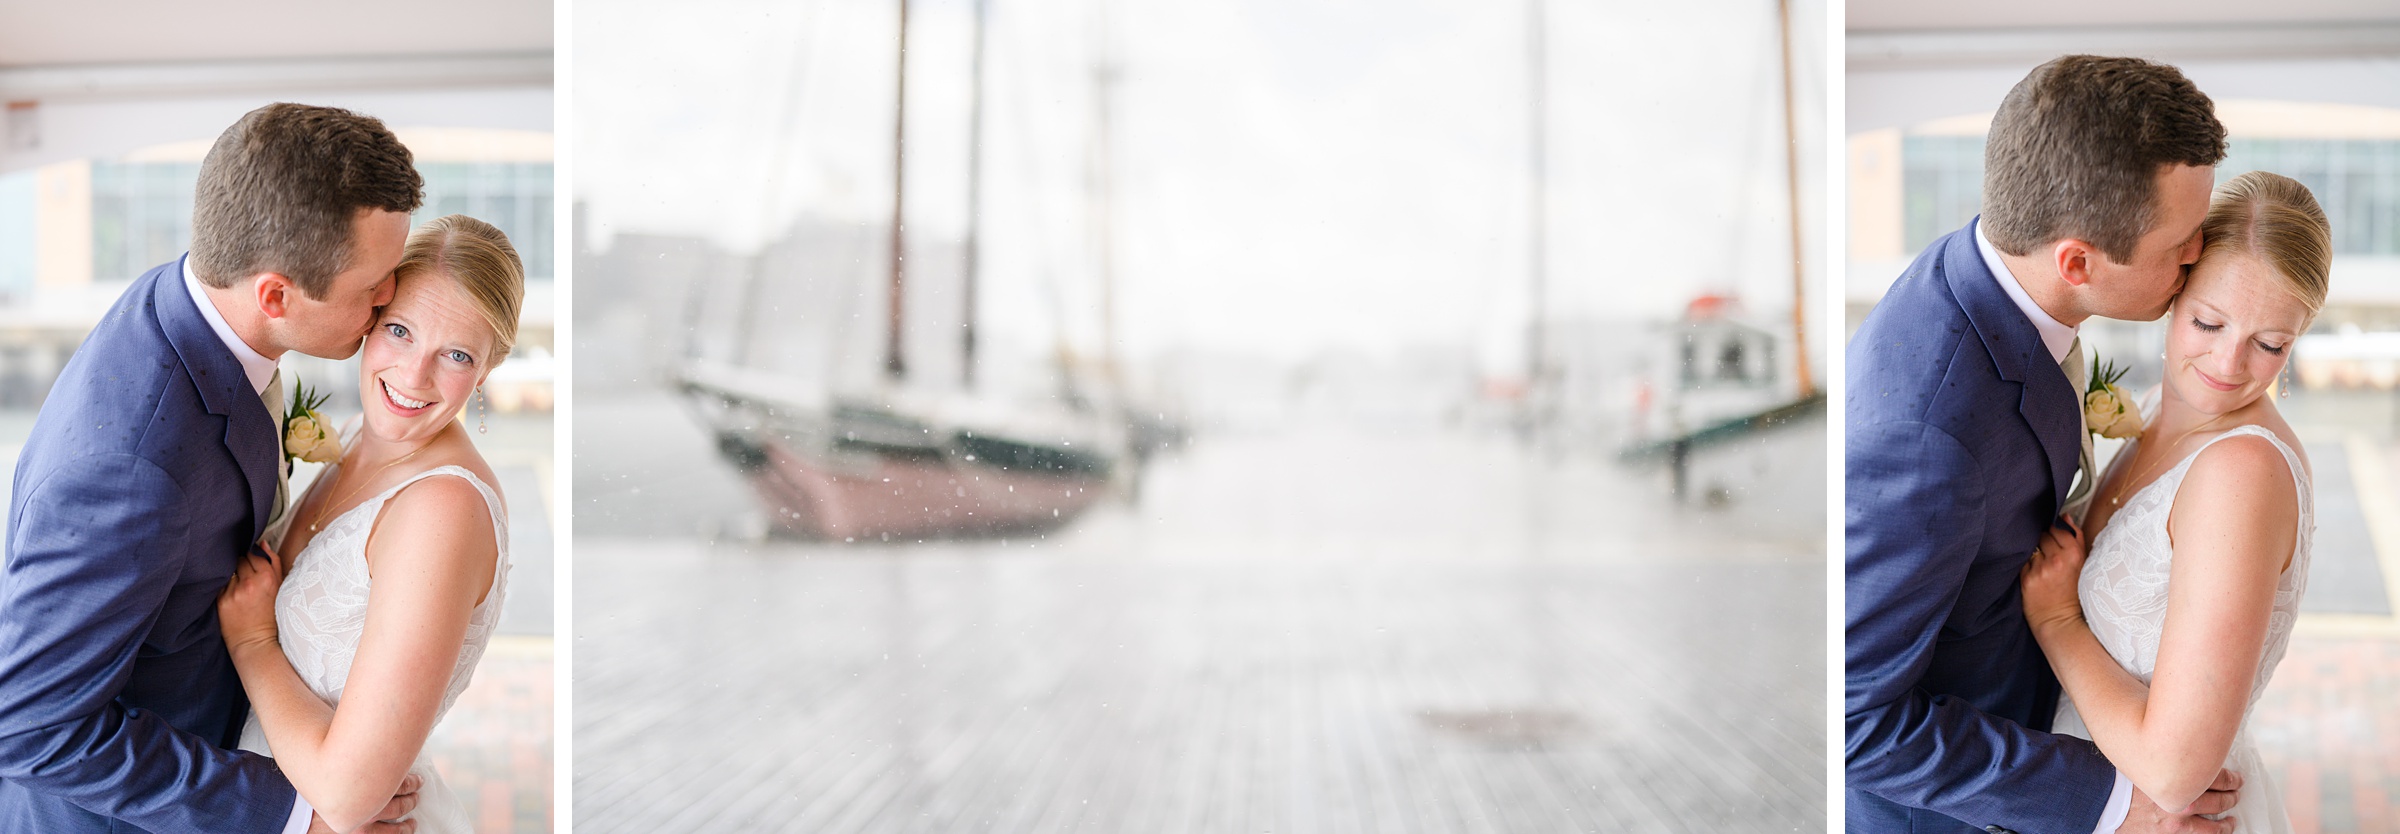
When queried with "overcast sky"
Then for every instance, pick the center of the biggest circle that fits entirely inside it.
(1292, 175)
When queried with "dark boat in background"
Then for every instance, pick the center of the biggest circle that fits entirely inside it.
(854, 468)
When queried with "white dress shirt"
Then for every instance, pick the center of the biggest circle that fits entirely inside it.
(258, 368)
(2059, 338)
(261, 371)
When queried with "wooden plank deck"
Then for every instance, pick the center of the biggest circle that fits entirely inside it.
(1544, 649)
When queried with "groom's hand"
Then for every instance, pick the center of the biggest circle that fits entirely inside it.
(388, 820)
(2145, 817)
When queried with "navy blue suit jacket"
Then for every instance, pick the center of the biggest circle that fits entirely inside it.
(1962, 438)
(146, 478)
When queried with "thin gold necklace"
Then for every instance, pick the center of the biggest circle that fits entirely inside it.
(2118, 500)
(324, 508)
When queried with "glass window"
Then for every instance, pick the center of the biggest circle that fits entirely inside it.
(1942, 185)
(142, 211)
(141, 216)
(17, 209)
(2356, 181)
(514, 196)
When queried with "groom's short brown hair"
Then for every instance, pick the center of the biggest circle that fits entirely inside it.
(279, 190)
(2076, 150)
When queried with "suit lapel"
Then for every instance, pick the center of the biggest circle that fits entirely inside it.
(2045, 399)
(2048, 406)
(250, 431)
(250, 436)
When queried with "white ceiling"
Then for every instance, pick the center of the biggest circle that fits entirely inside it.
(1908, 61)
(47, 32)
(1890, 15)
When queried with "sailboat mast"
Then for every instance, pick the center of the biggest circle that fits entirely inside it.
(895, 364)
(1104, 79)
(1791, 159)
(1538, 194)
(974, 206)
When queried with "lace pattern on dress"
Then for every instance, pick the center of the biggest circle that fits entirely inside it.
(2124, 583)
(321, 610)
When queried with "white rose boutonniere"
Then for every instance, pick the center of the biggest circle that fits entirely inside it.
(2107, 410)
(307, 435)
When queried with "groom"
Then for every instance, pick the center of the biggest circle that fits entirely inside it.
(1964, 433)
(157, 462)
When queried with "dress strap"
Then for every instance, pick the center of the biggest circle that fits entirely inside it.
(491, 497)
(491, 500)
(2291, 460)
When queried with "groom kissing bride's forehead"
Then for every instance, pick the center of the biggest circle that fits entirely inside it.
(2097, 176)
(156, 464)
(1964, 439)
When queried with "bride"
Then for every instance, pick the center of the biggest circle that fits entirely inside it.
(2200, 530)
(354, 649)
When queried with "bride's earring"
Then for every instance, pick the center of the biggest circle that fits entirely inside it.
(483, 407)
(2284, 388)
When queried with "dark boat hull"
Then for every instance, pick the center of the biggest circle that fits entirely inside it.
(882, 495)
(854, 470)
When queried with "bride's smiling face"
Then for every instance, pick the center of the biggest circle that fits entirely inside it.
(422, 359)
(2231, 333)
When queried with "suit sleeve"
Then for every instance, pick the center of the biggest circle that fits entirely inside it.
(1914, 517)
(92, 556)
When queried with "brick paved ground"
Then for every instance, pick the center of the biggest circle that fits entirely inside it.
(1330, 634)
(2329, 728)
(2329, 724)
(493, 749)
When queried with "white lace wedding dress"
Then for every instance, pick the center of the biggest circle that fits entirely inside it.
(322, 610)
(2124, 591)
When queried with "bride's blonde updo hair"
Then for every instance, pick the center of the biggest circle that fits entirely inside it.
(479, 259)
(2274, 219)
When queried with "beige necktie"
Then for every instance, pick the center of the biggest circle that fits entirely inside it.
(273, 397)
(2080, 377)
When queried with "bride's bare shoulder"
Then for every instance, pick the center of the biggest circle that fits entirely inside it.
(438, 527)
(2239, 493)
(2240, 456)
(447, 514)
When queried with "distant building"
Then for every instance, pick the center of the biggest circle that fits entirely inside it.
(1910, 186)
(74, 234)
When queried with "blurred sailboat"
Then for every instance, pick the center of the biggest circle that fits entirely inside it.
(1722, 391)
(907, 460)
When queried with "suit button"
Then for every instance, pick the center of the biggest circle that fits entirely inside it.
(1994, 829)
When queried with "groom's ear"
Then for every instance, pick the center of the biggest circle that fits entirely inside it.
(274, 293)
(2074, 260)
